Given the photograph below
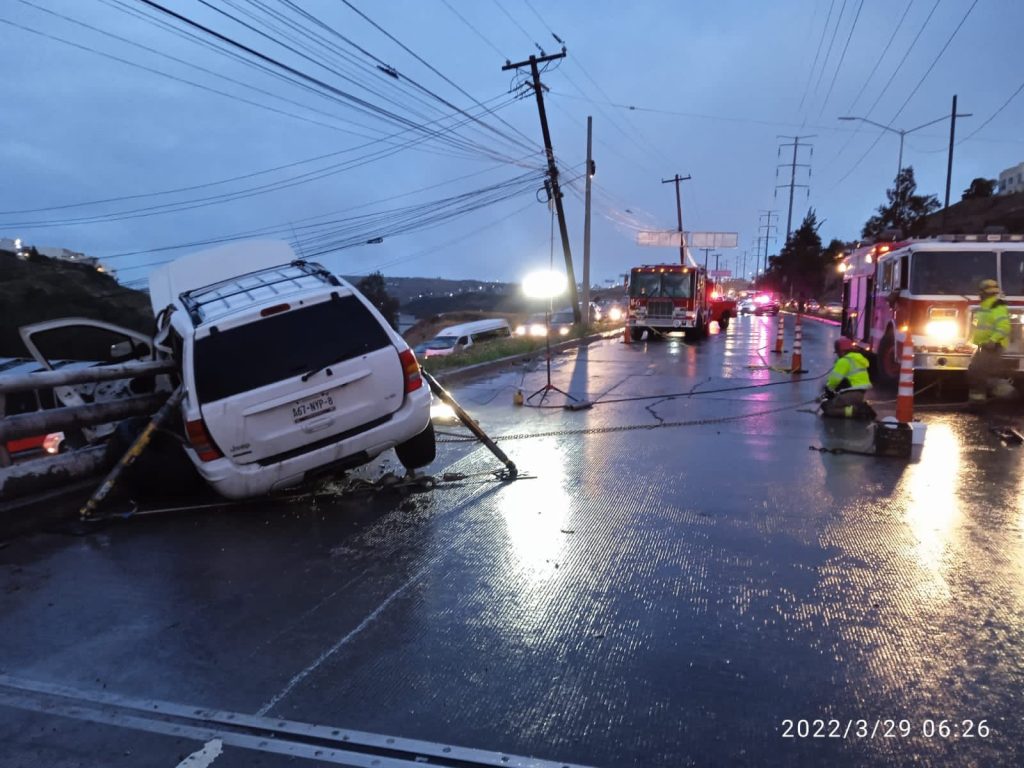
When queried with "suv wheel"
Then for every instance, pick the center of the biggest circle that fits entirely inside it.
(418, 451)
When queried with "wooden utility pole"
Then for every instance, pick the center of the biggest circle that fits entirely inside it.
(679, 213)
(586, 225)
(952, 140)
(556, 192)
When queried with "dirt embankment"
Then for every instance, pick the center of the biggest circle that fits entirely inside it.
(40, 288)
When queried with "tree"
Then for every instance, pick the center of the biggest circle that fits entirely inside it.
(905, 210)
(374, 288)
(980, 188)
(801, 265)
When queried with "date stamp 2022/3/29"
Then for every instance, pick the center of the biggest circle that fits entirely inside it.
(885, 728)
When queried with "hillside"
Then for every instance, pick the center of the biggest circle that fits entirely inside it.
(973, 216)
(41, 288)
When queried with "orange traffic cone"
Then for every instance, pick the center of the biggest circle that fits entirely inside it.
(626, 338)
(905, 393)
(798, 347)
(780, 334)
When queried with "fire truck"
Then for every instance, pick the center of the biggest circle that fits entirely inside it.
(665, 298)
(927, 289)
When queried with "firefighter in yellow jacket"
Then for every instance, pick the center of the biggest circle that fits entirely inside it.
(848, 384)
(991, 335)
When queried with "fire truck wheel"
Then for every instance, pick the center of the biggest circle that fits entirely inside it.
(653, 335)
(723, 321)
(888, 364)
(635, 334)
(704, 329)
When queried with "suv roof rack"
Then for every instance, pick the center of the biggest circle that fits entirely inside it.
(270, 282)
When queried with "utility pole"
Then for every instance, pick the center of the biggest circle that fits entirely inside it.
(949, 163)
(767, 227)
(556, 192)
(792, 174)
(679, 213)
(586, 225)
(743, 273)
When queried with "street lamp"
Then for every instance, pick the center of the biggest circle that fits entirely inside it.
(902, 134)
(546, 284)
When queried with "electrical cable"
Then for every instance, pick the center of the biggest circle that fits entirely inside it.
(817, 54)
(839, 66)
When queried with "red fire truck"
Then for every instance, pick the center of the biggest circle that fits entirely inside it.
(664, 298)
(928, 289)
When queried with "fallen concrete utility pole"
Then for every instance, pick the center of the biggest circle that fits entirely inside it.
(46, 474)
(88, 510)
(45, 379)
(73, 417)
(471, 425)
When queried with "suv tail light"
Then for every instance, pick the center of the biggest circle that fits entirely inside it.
(410, 371)
(201, 442)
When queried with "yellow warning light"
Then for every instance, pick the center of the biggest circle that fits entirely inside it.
(904, 328)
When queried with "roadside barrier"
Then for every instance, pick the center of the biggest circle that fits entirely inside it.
(798, 344)
(905, 393)
(780, 334)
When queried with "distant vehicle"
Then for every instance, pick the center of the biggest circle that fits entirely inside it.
(746, 307)
(833, 309)
(289, 371)
(722, 306)
(459, 337)
(812, 305)
(766, 304)
(562, 322)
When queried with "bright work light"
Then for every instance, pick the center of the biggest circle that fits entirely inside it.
(545, 284)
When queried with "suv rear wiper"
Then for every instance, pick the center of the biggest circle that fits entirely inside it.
(313, 371)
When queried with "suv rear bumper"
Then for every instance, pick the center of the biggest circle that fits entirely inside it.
(239, 481)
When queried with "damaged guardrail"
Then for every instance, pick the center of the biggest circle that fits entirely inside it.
(39, 475)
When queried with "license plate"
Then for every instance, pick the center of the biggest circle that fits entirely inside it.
(311, 407)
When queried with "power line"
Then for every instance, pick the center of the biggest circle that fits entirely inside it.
(879, 59)
(814, 64)
(831, 45)
(839, 66)
(991, 117)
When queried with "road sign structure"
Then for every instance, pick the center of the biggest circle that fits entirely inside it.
(670, 238)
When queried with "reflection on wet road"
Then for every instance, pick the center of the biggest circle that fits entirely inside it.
(652, 596)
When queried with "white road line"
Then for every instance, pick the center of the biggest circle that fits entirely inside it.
(320, 743)
(298, 678)
(211, 751)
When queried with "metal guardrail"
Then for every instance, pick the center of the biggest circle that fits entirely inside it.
(59, 378)
(49, 472)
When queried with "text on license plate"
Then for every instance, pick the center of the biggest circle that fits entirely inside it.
(311, 407)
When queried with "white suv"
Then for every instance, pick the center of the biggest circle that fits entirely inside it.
(288, 370)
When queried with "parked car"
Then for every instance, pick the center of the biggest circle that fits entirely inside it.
(29, 401)
(289, 371)
(458, 337)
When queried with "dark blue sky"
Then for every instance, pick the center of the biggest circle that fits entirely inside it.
(713, 84)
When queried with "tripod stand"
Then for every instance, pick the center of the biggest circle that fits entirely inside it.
(549, 387)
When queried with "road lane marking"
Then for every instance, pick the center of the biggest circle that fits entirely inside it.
(201, 759)
(334, 746)
(303, 674)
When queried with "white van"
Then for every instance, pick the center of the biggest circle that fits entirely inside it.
(288, 369)
(459, 337)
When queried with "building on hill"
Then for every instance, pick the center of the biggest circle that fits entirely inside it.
(1011, 180)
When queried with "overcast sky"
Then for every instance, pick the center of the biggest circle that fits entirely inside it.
(371, 126)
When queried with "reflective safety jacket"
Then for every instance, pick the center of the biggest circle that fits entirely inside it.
(850, 372)
(992, 322)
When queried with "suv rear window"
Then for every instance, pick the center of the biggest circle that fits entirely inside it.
(285, 345)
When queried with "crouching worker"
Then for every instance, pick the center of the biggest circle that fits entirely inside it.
(848, 384)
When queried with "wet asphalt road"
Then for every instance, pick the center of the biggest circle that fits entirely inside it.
(661, 597)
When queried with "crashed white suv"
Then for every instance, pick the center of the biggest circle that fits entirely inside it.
(289, 371)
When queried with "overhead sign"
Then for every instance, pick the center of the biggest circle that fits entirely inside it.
(666, 237)
(712, 239)
(720, 272)
(669, 238)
